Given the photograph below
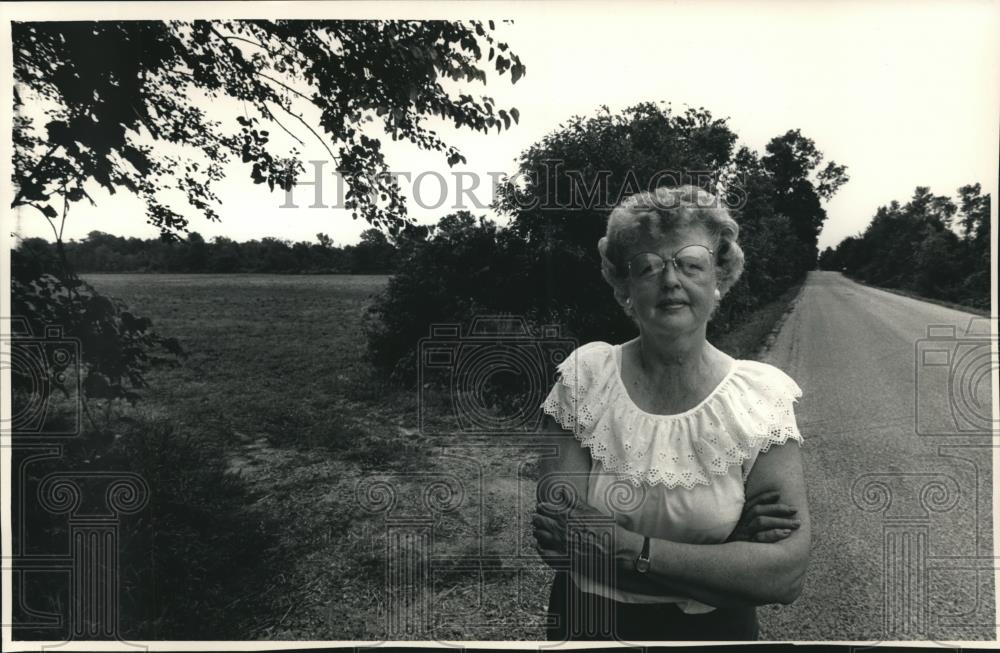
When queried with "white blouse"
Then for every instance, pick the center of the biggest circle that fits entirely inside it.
(677, 477)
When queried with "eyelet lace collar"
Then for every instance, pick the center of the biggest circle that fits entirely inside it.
(750, 410)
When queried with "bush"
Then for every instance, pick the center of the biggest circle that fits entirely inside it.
(446, 278)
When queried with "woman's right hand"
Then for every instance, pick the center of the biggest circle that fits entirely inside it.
(764, 520)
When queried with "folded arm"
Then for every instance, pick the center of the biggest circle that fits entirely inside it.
(565, 476)
(731, 573)
(734, 573)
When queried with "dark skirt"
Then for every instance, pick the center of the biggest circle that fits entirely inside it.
(578, 615)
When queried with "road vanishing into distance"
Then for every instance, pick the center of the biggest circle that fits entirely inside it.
(898, 458)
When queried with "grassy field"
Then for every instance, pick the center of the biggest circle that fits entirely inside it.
(326, 472)
(275, 376)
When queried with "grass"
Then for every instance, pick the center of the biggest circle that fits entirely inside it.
(750, 339)
(285, 467)
(965, 308)
(270, 356)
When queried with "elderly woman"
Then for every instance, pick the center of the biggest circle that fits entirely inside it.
(676, 503)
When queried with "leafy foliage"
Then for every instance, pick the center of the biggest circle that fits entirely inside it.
(183, 559)
(118, 106)
(793, 164)
(442, 278)
(573, 177)
(114, 91)
(917, 247)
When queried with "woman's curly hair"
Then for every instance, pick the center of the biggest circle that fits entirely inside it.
(650, 214)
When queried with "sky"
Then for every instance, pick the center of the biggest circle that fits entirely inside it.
(903, 94)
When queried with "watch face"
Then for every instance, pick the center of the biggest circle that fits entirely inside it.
(642, 566)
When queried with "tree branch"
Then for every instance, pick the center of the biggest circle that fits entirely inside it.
(34, 171)
(245, 40)
(278, 122)
(62, 222)
(47, 218)
(276, 81)
(307, 126)
(263, 100)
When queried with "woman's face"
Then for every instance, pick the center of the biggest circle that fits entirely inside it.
(673, 301)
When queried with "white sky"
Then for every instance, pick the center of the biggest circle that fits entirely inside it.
(904, 94)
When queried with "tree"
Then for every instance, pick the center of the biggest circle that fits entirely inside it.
(197, 253)
(226, 255)
(826, 259)
(574, 176)
(774, 256)
(799, 187)
(974, 209)
(914, 247)
(374, 253)
(928, 208)
(937, 264)
(113, 91)
(975, 212)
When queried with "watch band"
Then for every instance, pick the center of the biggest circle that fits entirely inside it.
(642, 561)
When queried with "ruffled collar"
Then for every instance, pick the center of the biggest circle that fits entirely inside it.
(747, 412)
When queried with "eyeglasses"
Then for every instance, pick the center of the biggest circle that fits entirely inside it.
(693, 261)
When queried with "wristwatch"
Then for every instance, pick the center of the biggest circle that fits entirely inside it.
(642, 562)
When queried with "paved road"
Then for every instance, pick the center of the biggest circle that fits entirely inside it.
(901, 497)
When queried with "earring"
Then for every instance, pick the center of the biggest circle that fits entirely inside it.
(718, 295)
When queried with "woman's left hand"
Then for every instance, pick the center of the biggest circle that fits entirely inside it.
(597, 534)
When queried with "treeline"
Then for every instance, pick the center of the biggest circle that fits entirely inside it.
(932, 245)
(102, 252)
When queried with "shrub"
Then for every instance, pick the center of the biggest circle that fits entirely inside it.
(445, 278)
